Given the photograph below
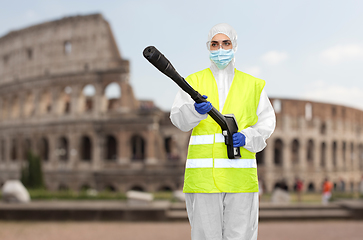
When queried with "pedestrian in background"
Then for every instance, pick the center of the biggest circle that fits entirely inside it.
(327, 188)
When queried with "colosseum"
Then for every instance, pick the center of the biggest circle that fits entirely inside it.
(55, 80)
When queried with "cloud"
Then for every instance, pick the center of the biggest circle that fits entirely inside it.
(274, 57)
(30, 14)
(337, 94)
(341, 53)
(253, 70)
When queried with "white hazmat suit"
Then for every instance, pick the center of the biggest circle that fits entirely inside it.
(224, 215)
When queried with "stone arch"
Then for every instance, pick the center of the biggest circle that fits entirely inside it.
(138, 146)
(110, 187)
(87, 98)
(63, 149)
(168, 144)
(28, 105)
(344, 147)
(15, 108)
(323, 128)
(171, 148)
(26, 148)
(2, 149)
(13, 149)
(4, 108)
(111, 148)
(165, 188)
(311, 187)
(44, 149)
(45, 103)
(84, 187)
(113, 95)
(308, 111)
(295, 147)
(137, 188)
(63, 187)
(278, 152)
(260, 157)
(65, 100)
(352, 155)
(86, 148)
(323, 154)
(360, 156)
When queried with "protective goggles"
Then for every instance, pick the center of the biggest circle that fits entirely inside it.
(215, 45)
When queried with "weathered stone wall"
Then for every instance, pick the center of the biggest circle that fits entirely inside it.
(84, 140)
(313, 141)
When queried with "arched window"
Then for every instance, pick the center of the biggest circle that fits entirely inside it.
(63, 187)
(308, 111)
(13, 152)
(67, 47)
(165, 189)
(138, 147)
(278, 152)
(110, 188)
(15, 108)
(66, 100)
(89, 92)
(86, 147)
(260, 157)
(311, 187)
(2, 149)
(344, 147)
(63, 152)
(137, 188)
(352, 154)
(111, 148)
(361, 157)
(323, 128)
(277, 105)
(28, 105)
(171, 150)
(44, 149)
(45, 102)
(26, 148)
(112, 93)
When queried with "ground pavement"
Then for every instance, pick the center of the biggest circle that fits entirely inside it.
(296, 230)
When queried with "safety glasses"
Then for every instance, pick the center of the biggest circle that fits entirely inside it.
(215, 45)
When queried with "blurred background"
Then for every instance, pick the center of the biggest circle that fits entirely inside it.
(84, 118)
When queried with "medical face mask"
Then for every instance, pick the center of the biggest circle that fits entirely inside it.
(221, 57)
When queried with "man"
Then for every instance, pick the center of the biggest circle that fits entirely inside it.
(327, 188)
(222, 194)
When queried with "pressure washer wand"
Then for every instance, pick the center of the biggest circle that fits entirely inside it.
(228, 122)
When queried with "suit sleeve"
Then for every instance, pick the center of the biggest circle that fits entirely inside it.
(257, 134)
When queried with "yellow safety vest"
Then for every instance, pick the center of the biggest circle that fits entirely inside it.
(208, 169)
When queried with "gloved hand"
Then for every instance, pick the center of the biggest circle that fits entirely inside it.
(239, 140)
(203, 107)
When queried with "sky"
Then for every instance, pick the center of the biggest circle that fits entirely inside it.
(303, 49)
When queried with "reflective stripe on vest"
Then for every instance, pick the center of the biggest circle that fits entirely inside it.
(208, 168)
(221, 163)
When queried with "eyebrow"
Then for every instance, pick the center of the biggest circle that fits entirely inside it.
(221, 40)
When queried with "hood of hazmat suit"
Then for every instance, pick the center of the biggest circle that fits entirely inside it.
(224, 77)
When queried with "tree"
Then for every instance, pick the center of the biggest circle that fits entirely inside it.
(32, 174)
